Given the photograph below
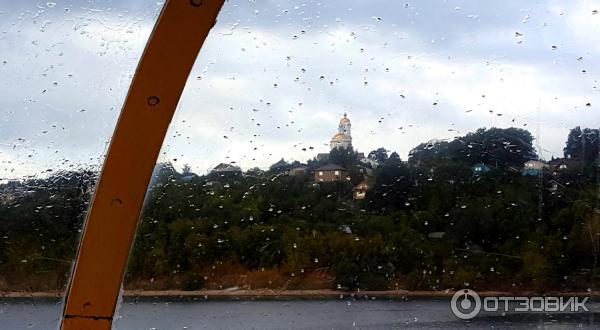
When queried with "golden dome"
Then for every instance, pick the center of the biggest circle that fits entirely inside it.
(341, 137)
(345, 120)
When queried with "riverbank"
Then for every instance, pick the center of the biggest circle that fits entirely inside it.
(266, 294)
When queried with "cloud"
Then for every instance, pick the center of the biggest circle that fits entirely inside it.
(274, 77)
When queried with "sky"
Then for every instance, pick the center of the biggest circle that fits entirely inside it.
(274, 77)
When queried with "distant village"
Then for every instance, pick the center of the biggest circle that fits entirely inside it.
(372, 220)
(326, 170)
(360, 172)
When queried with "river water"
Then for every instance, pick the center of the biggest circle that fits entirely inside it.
(429, 313)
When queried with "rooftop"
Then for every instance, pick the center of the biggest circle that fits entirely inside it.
(330, 167)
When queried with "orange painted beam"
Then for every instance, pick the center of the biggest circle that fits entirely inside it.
(178, 35)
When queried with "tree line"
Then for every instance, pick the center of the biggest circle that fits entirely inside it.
(428, 223)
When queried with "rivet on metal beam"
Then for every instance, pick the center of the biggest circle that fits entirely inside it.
(196, 3)
(153, 100)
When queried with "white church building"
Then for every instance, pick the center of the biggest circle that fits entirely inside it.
(343, 138)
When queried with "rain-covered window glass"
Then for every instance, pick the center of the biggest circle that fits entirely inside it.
(365, 152)
(65, 67)
(361, 160)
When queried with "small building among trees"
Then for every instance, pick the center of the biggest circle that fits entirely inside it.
(280, 167)
(360, 190)
(226, 168)
(533, 168)
(330, 173)
(298, 169)
(558, 165)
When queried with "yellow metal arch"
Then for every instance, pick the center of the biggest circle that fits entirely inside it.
(178, 35)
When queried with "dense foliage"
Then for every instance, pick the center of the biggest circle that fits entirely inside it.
(430, 223)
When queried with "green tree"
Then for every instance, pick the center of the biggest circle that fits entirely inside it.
(345, 157)
(380, 155)
(495, 146)
(582, 144)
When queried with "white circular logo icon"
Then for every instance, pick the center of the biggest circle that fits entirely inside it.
(465, 304)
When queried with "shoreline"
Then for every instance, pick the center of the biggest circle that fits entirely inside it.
(269, 294)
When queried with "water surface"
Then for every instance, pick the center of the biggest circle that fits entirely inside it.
(430, 313)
